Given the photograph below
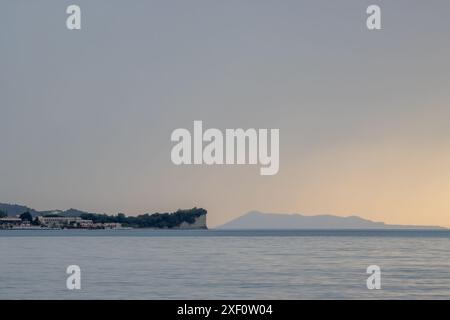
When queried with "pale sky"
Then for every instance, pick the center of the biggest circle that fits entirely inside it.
(86, 116)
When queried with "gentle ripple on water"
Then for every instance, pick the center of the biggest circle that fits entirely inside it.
(224, 265)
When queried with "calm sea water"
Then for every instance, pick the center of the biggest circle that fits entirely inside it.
(213, 264)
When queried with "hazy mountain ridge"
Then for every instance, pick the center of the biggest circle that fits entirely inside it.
(260, 220)
(15, 209)
(252, 220)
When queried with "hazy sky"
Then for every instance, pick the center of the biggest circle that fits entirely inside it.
(86, 116)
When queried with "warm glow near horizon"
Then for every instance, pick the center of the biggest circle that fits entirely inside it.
(86, 117)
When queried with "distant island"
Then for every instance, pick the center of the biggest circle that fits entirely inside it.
(258, 220)
(13, 216)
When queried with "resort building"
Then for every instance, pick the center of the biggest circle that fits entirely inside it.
(111, 225)
(86, 224)
(74, 222)
(59, 222)
(10, 222)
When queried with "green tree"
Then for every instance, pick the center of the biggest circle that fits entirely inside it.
(35, 222)
(3, 214)
(26, 216)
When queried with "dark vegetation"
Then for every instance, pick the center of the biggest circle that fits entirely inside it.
(26, 216)
(156, 220)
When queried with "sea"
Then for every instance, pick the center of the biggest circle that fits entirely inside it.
(225, 264)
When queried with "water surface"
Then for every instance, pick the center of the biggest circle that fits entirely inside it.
(222, 264)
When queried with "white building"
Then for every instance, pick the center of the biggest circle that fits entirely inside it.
(9, 222)
(59, 222)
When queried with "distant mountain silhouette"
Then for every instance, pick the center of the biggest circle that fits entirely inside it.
(259, 220)
(14, 210)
